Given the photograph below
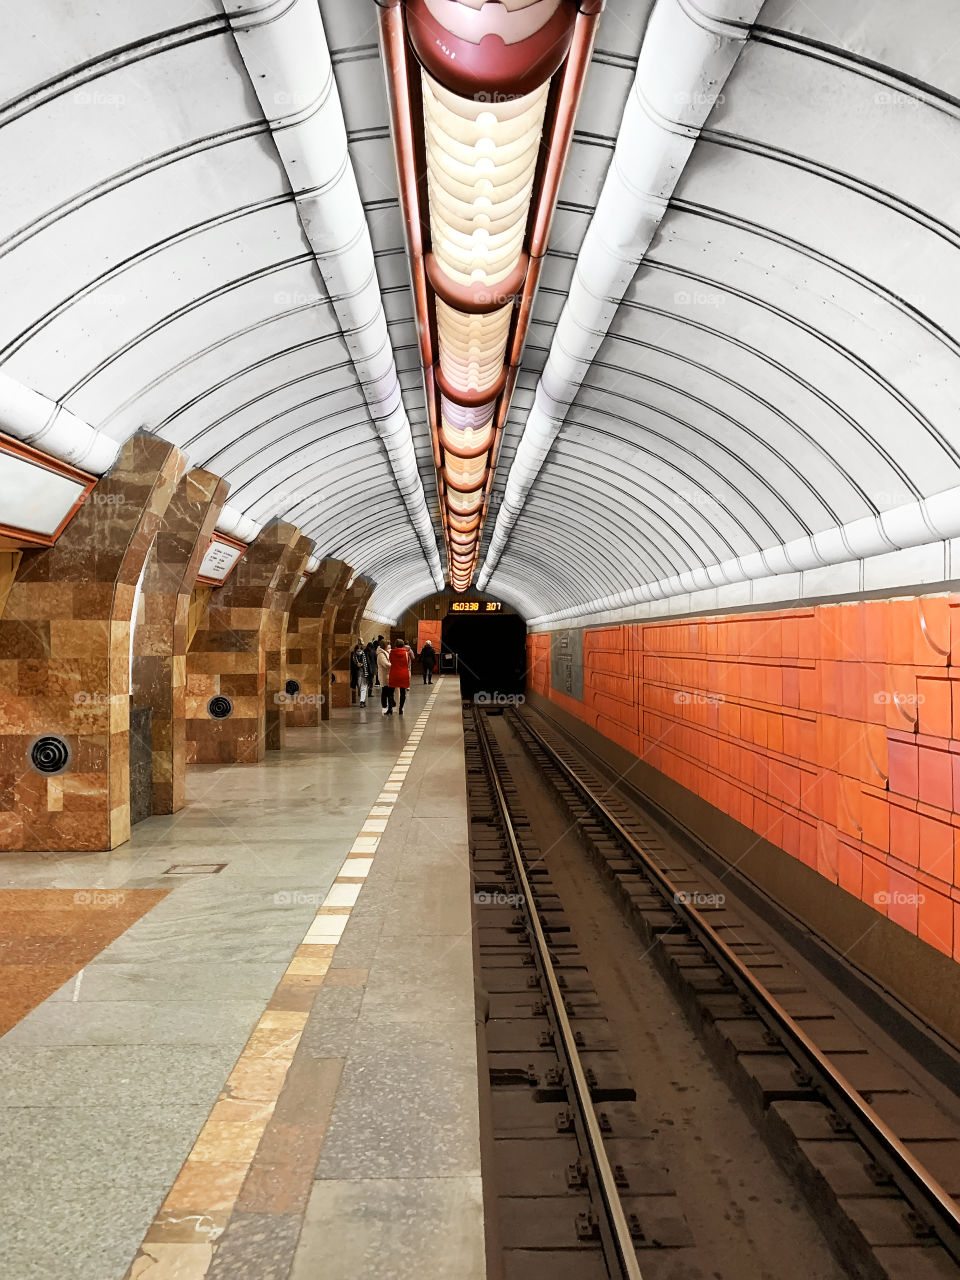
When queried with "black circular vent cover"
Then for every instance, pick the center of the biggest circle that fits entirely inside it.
(293, 687)
(50, 754)
(220, 707)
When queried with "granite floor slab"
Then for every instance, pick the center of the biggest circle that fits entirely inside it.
(393, 1229)
(152, 1026)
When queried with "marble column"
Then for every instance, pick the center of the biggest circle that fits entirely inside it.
(275, 641)
(309, 641)
(161, 638)
(227, 659)
(65, 662)
(345, 633)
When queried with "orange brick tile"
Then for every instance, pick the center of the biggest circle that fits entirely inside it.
(905, 835)
(904, 769)
(849, 868)
(849, 807)
(875, 816)
(828, 856)
(873, 631)
(874, 890)
(900, 622)
(936, 848)
(932, 634)
(902, 906)
(935, 707)
(935, 777)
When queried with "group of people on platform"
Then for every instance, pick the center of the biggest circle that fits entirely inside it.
(390, 667)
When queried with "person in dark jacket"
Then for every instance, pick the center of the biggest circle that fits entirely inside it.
(360, 672)
(400, 670)
(371, 650)
(428, 662)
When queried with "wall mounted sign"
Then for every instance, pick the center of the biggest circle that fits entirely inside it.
(221, 556)
(476, 606)
(566, 663)
(39, 495)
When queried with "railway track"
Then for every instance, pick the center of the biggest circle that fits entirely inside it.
(522, 920)
(846, 1123)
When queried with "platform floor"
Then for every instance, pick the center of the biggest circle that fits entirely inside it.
(270, 1071)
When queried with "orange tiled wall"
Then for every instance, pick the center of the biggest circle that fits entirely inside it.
(834, 732)
(427, 630)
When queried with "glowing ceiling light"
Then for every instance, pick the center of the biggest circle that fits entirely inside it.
(496, 130)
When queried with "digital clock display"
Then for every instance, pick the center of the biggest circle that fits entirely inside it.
(476, 606)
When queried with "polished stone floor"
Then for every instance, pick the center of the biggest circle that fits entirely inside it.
(274, 1063)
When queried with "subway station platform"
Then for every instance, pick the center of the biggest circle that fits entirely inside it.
(251, 1046)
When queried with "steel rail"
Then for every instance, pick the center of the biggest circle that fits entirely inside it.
(620, 1234)
(925, 1195)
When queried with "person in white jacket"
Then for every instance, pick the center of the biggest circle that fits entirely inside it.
(383, 673)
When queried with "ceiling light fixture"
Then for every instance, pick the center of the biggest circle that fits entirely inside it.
(483, 98)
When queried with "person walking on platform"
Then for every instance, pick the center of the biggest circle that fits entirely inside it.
(360, 672)
(428, 662)
(383, 674)
(400, 669)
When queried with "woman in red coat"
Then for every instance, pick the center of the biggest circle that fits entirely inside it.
(399, 670)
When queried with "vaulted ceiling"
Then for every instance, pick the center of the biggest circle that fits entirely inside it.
(775, 371)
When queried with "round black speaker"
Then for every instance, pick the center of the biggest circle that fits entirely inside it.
(220, 707)
(50, 754)
(293, 687)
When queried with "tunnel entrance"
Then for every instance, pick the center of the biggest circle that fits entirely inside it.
(490, 650)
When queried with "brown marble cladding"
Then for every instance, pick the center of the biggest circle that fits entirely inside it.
(275, 643)
(344, 637)
(161, 636)
(65, 659)
(309, 635)
(228, 654)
